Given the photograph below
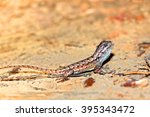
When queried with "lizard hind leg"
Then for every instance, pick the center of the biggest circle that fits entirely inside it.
(5, 76)
(65, 76)
(14, 70)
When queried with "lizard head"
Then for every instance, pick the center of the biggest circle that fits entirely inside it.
(103, 50)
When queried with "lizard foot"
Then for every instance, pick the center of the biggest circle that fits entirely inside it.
(14, 70)
(60, 80)
(103, 71)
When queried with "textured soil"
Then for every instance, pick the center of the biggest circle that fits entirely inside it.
(53, 33)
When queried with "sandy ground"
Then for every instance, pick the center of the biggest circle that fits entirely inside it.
(53, 33)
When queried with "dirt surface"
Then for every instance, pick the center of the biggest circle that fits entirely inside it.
(53, 33)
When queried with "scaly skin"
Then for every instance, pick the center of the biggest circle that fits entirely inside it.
(92, 63)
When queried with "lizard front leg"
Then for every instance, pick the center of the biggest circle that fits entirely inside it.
(98, 70)
(103, 70)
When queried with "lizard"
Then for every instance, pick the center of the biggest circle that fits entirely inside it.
(92, 63)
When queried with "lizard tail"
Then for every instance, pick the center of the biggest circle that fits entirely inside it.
(27, 66)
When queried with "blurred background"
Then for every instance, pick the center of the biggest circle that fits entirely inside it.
(53, 33)
(45, 24)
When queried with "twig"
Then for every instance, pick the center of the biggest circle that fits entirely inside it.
(147, 62)
(134, 73)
